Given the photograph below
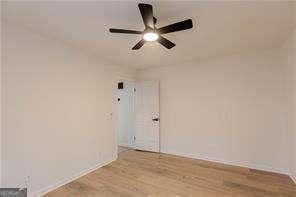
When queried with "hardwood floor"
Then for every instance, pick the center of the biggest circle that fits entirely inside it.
(138, 173)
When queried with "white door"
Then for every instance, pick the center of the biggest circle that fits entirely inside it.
(147, 116)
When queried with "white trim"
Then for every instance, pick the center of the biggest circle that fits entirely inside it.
(129, 79)
(126, 144)
(293, 177)
(64, 181)
(233, 163)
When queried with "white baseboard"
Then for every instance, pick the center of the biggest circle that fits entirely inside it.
(233, 163)
(125, 144)
(293, 177)
(64, 181)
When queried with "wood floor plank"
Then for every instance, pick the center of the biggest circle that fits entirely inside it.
(146, 174)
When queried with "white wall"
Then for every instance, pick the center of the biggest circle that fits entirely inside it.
(126, 114)
(231, 109)
(289, 57)
(0, 108)
(56, 110)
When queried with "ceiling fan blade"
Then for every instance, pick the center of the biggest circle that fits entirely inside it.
(139, 45)
(165, 42)
(147, 14)
(124, 31)
(187, 24)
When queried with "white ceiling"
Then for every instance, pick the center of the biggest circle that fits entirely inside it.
(219, 28)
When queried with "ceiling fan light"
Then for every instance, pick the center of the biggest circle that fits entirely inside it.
(150, 36)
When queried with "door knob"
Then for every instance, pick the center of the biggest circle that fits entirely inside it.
(155, 119)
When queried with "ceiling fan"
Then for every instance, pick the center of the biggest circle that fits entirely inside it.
(151, 33)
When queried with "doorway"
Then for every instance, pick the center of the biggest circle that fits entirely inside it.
(138, 115)
(126, 114)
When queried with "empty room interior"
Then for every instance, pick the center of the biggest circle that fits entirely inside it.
(148, 98)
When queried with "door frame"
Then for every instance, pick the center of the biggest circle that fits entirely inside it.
(119, 79)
